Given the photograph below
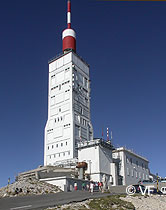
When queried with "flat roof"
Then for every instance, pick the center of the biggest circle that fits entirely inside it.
(62, 54)
(94, 142)
(129, 151)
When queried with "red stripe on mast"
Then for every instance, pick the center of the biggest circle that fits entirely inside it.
(69, 6)
(69, 14)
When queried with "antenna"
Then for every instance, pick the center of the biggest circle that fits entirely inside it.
(68, 35)
(107, 134)
(68, 14)
(102, 133)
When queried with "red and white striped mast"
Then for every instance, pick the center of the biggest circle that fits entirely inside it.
(107, 134)
(69, 35)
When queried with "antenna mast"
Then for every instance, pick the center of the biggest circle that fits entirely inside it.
(69, 35)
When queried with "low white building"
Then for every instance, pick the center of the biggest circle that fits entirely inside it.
(131, 167)
(117, 166)
(98, 155)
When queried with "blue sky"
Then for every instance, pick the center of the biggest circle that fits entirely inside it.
(125, 45)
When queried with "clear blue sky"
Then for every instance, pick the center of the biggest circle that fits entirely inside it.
(125, 45)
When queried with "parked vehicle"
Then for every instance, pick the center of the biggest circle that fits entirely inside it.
(163, 180)
(146, 182)
(137, 188)
(156, 192)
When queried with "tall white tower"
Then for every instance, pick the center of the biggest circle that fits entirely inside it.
(68, 102)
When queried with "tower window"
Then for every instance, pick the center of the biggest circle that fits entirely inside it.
(127, 159)
(61, 144)
(85, 82)
(52, 146)
(66, 142)
(128, 172)
(48, 147)
(63, 154)
(142, 166)
(56, 145)
(137, 163)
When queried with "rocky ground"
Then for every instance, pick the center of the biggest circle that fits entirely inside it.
(153, 202)
(75, 206)
(28, 186)
(106, 203)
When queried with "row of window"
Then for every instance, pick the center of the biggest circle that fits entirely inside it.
(57, 155)
(60, 119)
(67, 125)
(60, 85)
(136, 174)
(57, 145)
(130, 161)
(49, 130)
(55, 74)
(67, 91)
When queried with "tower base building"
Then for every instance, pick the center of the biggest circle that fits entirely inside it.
(68, 140)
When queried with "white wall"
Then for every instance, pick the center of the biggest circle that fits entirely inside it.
(58, 181)
(68, 97)
(99, 161)
(91, 156)
(129, 169)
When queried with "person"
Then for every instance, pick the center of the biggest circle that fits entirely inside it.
(8, 180)
(100, 186)
(104, 179)
(75, 185)
(91, 187)
(83, 186)
(87, 186)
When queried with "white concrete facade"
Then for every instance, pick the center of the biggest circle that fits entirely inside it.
(119, 166)
(68, 108)
(132, 167)
(98, 155)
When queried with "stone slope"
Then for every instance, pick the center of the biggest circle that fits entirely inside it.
(28, 186)
(153, 202)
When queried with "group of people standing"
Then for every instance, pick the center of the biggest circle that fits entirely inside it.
(97, 186)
